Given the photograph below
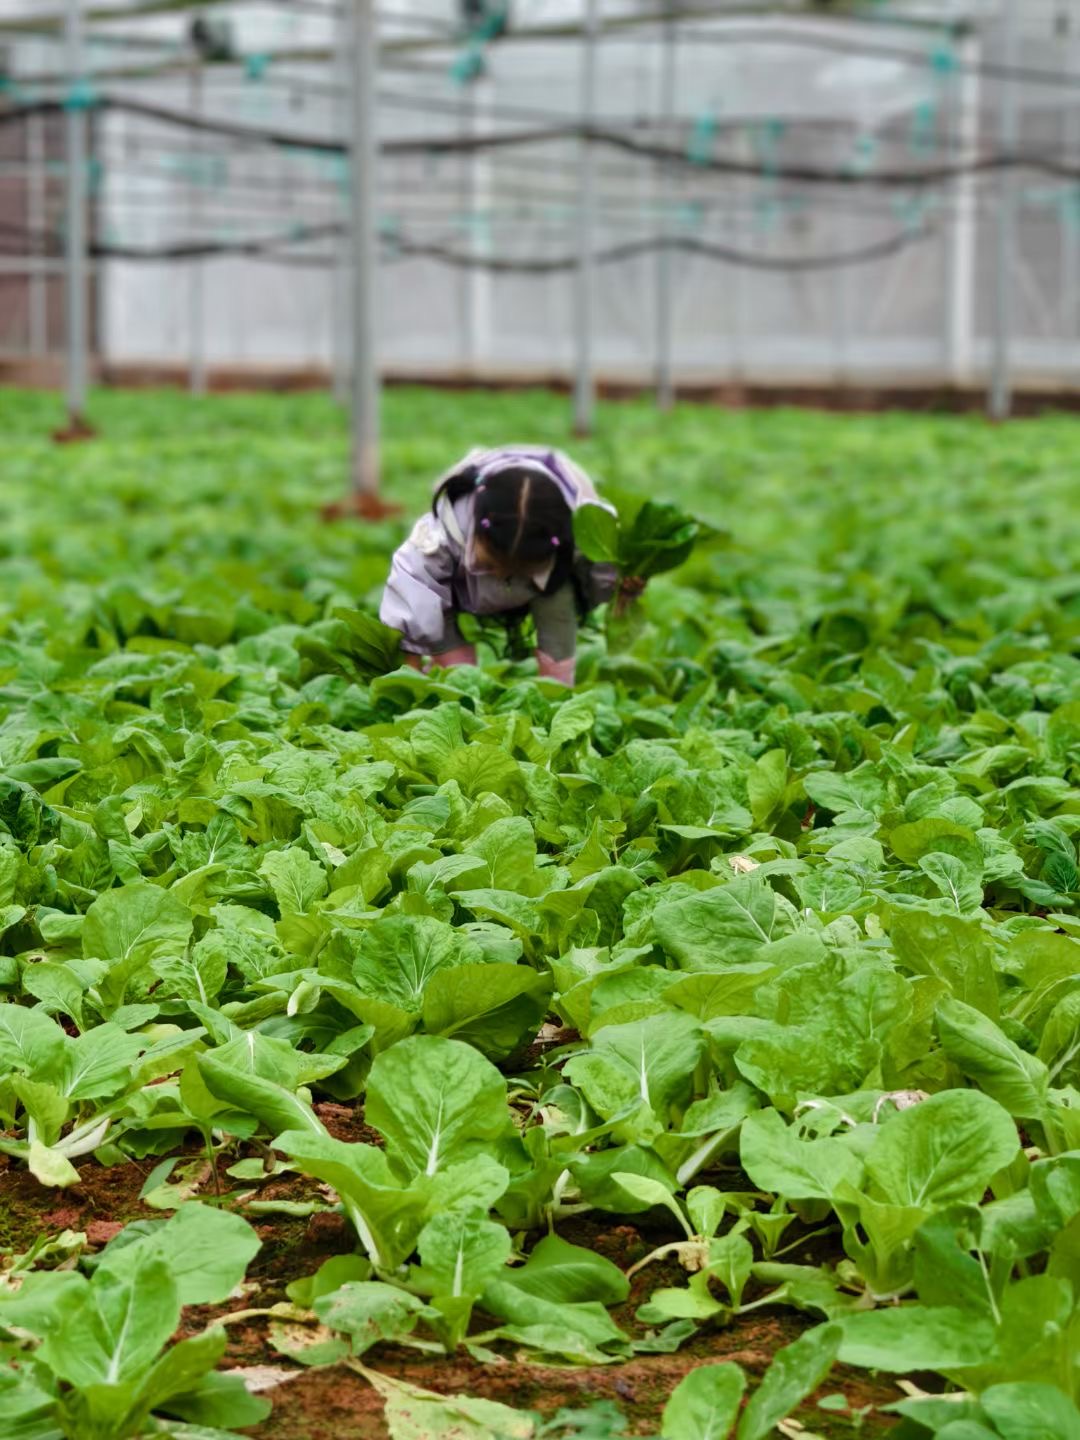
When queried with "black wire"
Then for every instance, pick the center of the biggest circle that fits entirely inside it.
(249, 198)
(991, 69)
(52, 26)
(705, 249)
(726, 125)
(469, 144)
(398, 246)
(674, 10)
(615, 170)
(737, 29)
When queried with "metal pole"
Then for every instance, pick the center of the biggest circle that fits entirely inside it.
(479, 293)
(76, 223)
(1001, 381)
(842, 308)
(665, 382)
(739, 287)
(35, 203)
(585, 388)
(1067, 233)
(340, 304)
(468, 210)
(365, 156)
(962, 236)
(196, 308)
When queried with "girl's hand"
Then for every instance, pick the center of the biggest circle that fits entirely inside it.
(562, 670)
(461, 655)
(630, 589)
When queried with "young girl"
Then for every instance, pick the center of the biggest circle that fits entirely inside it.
(499, 541)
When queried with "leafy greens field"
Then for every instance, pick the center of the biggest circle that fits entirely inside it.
(739, 986)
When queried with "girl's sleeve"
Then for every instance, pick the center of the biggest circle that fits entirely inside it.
(418, 599)
(596, 582)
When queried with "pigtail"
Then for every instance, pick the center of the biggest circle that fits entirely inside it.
(457, 483)
(564, 568)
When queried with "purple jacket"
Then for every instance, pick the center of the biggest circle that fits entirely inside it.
(435, 576)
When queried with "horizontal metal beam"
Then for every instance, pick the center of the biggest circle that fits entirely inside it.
(36, 265)
(574, 30)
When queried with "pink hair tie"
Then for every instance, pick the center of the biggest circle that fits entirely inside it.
(485, 523)
(556, 541)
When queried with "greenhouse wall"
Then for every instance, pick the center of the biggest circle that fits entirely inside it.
(768, 92)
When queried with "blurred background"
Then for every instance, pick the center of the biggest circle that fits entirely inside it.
(817, 197)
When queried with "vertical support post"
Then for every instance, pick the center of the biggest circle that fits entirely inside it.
(739, 288)
(365, 159)
(842, 277)
(1008, 132)
(961, 237)
(584, 298)
(340, 302)
(1068, 235)
(466, 353)
(76, 221)
(35, 207)
(478, 283)
(665, 380)
(196, 273)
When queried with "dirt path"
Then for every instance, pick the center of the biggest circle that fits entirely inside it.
(336, 1404)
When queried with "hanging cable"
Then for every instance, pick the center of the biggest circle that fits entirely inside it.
(846, 177)
(400, 245)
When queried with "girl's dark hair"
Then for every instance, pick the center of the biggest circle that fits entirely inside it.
(521, 516)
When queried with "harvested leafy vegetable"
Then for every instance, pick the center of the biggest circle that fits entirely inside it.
(643, 539)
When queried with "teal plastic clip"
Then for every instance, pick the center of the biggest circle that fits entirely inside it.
(923, 126)
(390, 231)
(81, 96)
(1069, 206)
(478, 223)
(766, 140)
(702, 139)
(943, 60)
(469, 65)
(768, 211)
(910, 210)
(864, 155)
(689, 215)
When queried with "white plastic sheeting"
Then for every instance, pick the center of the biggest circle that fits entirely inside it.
(770, 91)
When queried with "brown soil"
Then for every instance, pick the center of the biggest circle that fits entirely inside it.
(346, 1122)
(75, 432)
(1032, 398)
(360, 507)
(104, 1198)
(336, 1403)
